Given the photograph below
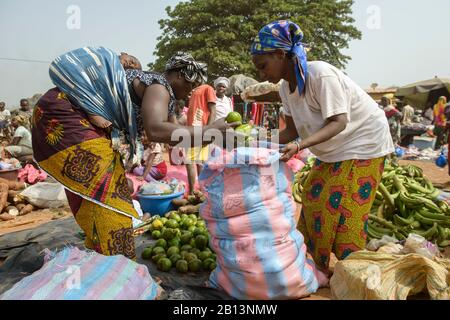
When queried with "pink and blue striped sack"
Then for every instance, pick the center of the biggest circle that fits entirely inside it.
(73, 274)
(252, 220)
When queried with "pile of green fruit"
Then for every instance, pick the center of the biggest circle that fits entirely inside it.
(407, 202)
(244, 129)
(181, 242)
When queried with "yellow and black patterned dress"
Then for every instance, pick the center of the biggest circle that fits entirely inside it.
(80, 156)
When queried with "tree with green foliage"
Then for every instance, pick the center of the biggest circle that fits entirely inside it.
(220, 32)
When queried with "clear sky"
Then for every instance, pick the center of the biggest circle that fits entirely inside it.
(403, 40)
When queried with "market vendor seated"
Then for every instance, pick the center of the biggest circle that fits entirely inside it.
(20, 147)
(153, 166)
(5, 117)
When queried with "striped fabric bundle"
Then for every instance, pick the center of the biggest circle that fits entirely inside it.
(252, 220)
(73, 274)
(95, 81)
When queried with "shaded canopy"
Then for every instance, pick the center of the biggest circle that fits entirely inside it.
(419, 93)
(238, 83)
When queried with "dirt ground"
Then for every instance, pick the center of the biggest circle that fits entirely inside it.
(439, 177)
(33, 219)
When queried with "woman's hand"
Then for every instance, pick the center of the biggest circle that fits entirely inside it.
(219, 132)
(222, 125)
(289, 151)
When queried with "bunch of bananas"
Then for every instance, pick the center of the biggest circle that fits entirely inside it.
(407, 202)
(300, 179)
(297, 188)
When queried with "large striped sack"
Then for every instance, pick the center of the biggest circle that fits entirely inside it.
(73, 274)
(251, 217)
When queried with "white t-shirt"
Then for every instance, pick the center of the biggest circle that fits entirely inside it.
(329, 92)
(155, 148)
(5, 114)
(223, 107)
(25, 136)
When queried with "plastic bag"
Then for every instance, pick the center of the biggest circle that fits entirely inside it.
(375, 244)
(367, 275)
(304, 155)
(161, 187)
(6, 166)
(392, 248)
(31, 175)
(418, 244)
(181, 294)
(295, 165)
(399, 152)
(155, 188)
(46, 195)
(441, 161)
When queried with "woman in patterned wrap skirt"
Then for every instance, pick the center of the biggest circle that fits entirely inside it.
(341, 125)
(71, 144)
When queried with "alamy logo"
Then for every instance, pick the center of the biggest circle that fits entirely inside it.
(74, 20)
(73, 282)
(374, 19)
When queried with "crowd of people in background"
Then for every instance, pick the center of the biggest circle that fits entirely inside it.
(204, 105)
(15, 132)
(435, 114)
(208, 105)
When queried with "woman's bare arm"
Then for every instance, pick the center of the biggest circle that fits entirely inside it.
(148, 165)
(290, 133)
(155, 118)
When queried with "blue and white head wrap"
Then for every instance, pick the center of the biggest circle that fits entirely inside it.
(94, 80)
(287, 36)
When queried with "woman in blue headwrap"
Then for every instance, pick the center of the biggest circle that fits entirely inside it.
(76, 129)
(341, 125)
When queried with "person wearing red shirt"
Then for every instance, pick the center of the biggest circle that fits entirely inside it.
(202, 111)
